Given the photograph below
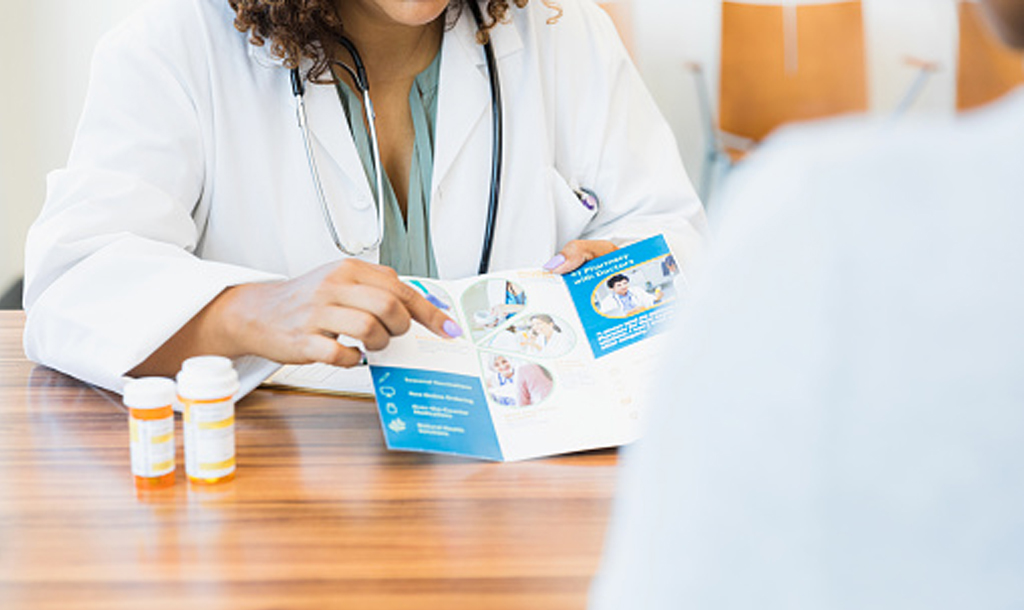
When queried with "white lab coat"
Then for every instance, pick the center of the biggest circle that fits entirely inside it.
(840, 423)
(188, 174)
(612, 306)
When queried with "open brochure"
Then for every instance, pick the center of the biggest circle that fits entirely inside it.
(548, 364)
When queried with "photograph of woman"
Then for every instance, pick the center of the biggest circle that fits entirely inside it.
(533, 384)
(516, 383)
(546, 338)
(501, 382)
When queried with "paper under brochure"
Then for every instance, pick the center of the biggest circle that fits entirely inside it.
(548, 364)
(323, 378)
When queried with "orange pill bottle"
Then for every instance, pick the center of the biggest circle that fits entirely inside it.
(150, 402)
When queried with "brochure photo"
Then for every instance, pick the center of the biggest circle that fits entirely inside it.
(548, 364)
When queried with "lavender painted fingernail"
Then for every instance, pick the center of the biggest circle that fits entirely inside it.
(452, 329)
(554, 263)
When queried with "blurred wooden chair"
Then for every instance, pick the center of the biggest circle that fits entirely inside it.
(780, 64)
(987, 69)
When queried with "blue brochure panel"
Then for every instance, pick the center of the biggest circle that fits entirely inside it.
(621, 297)
(434, 411)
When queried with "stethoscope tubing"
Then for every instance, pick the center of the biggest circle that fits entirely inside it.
(298, 92)
(359, 76)
(497, 147)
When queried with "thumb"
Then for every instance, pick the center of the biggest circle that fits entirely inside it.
(577, 252)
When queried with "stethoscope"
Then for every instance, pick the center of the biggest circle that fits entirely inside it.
(358, 74)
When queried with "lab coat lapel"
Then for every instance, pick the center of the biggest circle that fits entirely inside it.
(330, 133)
(464, 96)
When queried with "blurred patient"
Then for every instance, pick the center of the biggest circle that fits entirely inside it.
(843, 425)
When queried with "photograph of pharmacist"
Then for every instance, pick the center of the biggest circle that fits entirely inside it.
(624, 300)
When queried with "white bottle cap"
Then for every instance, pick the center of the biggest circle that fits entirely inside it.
(149, 393)
(207, 378)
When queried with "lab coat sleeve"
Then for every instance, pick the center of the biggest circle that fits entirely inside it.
(111, 269)
(621, 147)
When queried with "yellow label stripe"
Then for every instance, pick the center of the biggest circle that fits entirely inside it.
(191, 401)
(163, 438)
(169, 464)
(216, 425)
(228, 463)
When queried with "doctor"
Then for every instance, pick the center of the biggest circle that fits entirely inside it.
(197, 216)
(624, 300)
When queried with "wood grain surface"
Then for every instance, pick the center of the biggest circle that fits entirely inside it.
(320, 516)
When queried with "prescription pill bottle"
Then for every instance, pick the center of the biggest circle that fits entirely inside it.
(150, 403)
(206, 389)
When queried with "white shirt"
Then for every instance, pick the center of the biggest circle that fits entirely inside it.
(557, 345)
(502, 389)
(188, 174)
(620, 306)
(842, 422)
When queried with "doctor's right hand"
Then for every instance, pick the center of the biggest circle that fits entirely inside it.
(298, 321)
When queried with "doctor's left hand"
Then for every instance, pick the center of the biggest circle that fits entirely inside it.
(577, 252)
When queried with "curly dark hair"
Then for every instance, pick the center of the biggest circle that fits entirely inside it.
(300, 29)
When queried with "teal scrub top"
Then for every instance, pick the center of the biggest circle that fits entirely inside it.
(406, 246)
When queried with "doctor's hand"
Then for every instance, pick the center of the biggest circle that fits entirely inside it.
(577, 252)
(298, 321)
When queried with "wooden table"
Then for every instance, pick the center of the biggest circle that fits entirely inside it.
(320, 516)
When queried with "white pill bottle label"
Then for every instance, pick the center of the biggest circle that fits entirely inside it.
(206, 388)
(152, 446)
(209, 428)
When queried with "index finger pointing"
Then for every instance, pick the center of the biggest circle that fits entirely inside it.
(428, 315)
(417, 305)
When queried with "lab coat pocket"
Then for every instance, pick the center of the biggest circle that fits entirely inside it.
(571, 214)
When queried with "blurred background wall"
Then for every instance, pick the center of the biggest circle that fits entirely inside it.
(46, 47)
(47, 44)
(672, 32)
